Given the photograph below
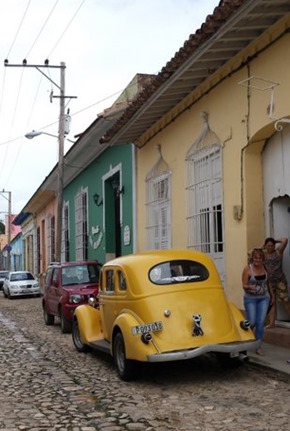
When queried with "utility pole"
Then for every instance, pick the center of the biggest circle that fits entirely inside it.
(61, 137)
(60, 164)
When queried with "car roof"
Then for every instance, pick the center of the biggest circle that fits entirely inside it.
(137, 266)
(155, 256)
(74, 263)
(20, 272)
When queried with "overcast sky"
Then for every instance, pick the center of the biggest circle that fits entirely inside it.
(103, 43)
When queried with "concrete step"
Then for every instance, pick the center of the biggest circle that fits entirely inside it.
(279, 335)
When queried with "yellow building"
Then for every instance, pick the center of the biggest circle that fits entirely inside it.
(212, 140)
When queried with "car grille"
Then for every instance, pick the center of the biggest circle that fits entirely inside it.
(24, 286)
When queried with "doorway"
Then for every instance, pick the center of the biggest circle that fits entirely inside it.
(113, 214)
(280, 215)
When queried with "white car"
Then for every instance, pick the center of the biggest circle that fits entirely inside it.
(20, 283)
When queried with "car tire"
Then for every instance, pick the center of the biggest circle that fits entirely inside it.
(126, 369)
(79, 345)
(65, 324)
(48, 318)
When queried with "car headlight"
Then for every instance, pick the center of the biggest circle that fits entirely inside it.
(75, 299)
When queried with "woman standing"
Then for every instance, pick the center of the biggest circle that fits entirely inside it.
(274, 250)
(257, 293)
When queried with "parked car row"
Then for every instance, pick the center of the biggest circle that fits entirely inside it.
(157, 306)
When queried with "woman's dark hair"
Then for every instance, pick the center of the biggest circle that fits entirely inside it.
(269, 239)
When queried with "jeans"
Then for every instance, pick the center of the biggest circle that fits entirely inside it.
(256, 311)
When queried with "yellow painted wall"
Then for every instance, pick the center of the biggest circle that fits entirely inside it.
(239, 117)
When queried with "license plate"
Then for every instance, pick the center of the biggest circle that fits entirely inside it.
(148, 327)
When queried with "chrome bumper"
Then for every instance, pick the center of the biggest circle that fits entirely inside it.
(231, 348)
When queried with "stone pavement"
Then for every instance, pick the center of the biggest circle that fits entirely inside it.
(46, 385)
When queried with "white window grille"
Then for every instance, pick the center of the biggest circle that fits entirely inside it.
(204, 201)
(158, 212)
(65, 256)
(81, 225)
(51, 238)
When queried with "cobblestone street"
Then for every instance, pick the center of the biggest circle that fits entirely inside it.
(47, 385)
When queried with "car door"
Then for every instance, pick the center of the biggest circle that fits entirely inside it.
(108, 302)
(54, 291)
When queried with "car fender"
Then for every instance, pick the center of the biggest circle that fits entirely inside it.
(89, 321)
(238, 317)
(135, 348)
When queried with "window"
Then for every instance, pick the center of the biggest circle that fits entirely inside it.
(158, 212)
(178, 271)
(109, 280)
(65, 234)
(204, 200)
(81, 218)
(122, 281)
(51, 238)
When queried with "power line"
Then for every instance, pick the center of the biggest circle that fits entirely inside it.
(42, 28)
(20, 25)
(66, 28)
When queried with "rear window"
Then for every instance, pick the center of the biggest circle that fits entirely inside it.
(80, 274)
(178, 271)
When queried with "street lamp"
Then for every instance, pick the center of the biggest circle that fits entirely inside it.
(35, 133)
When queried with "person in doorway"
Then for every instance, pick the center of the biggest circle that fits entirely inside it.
(274, 250)
(257, 293)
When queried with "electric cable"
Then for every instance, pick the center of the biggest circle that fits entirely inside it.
(19, 28)
(66, 28)
(42, 28)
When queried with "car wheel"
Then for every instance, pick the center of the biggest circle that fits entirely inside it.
(127, 369)
(64, 323)
(79, 345)
(48, 318)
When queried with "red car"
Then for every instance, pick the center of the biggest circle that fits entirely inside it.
(66, 286)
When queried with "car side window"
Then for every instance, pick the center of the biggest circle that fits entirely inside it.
(55, 277)
(109, 281)
(122, 281)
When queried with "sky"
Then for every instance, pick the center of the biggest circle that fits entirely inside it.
(103, 44)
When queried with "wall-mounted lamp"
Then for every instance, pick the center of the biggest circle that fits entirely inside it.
(97, 199)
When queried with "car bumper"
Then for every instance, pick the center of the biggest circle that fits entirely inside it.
(233, 349)
(31, 292)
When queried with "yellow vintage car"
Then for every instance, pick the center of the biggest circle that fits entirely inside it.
(160, 306)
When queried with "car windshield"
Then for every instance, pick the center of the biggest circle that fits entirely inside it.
(4, 274)
(178, 271)
(21, 276)
(80, 274)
